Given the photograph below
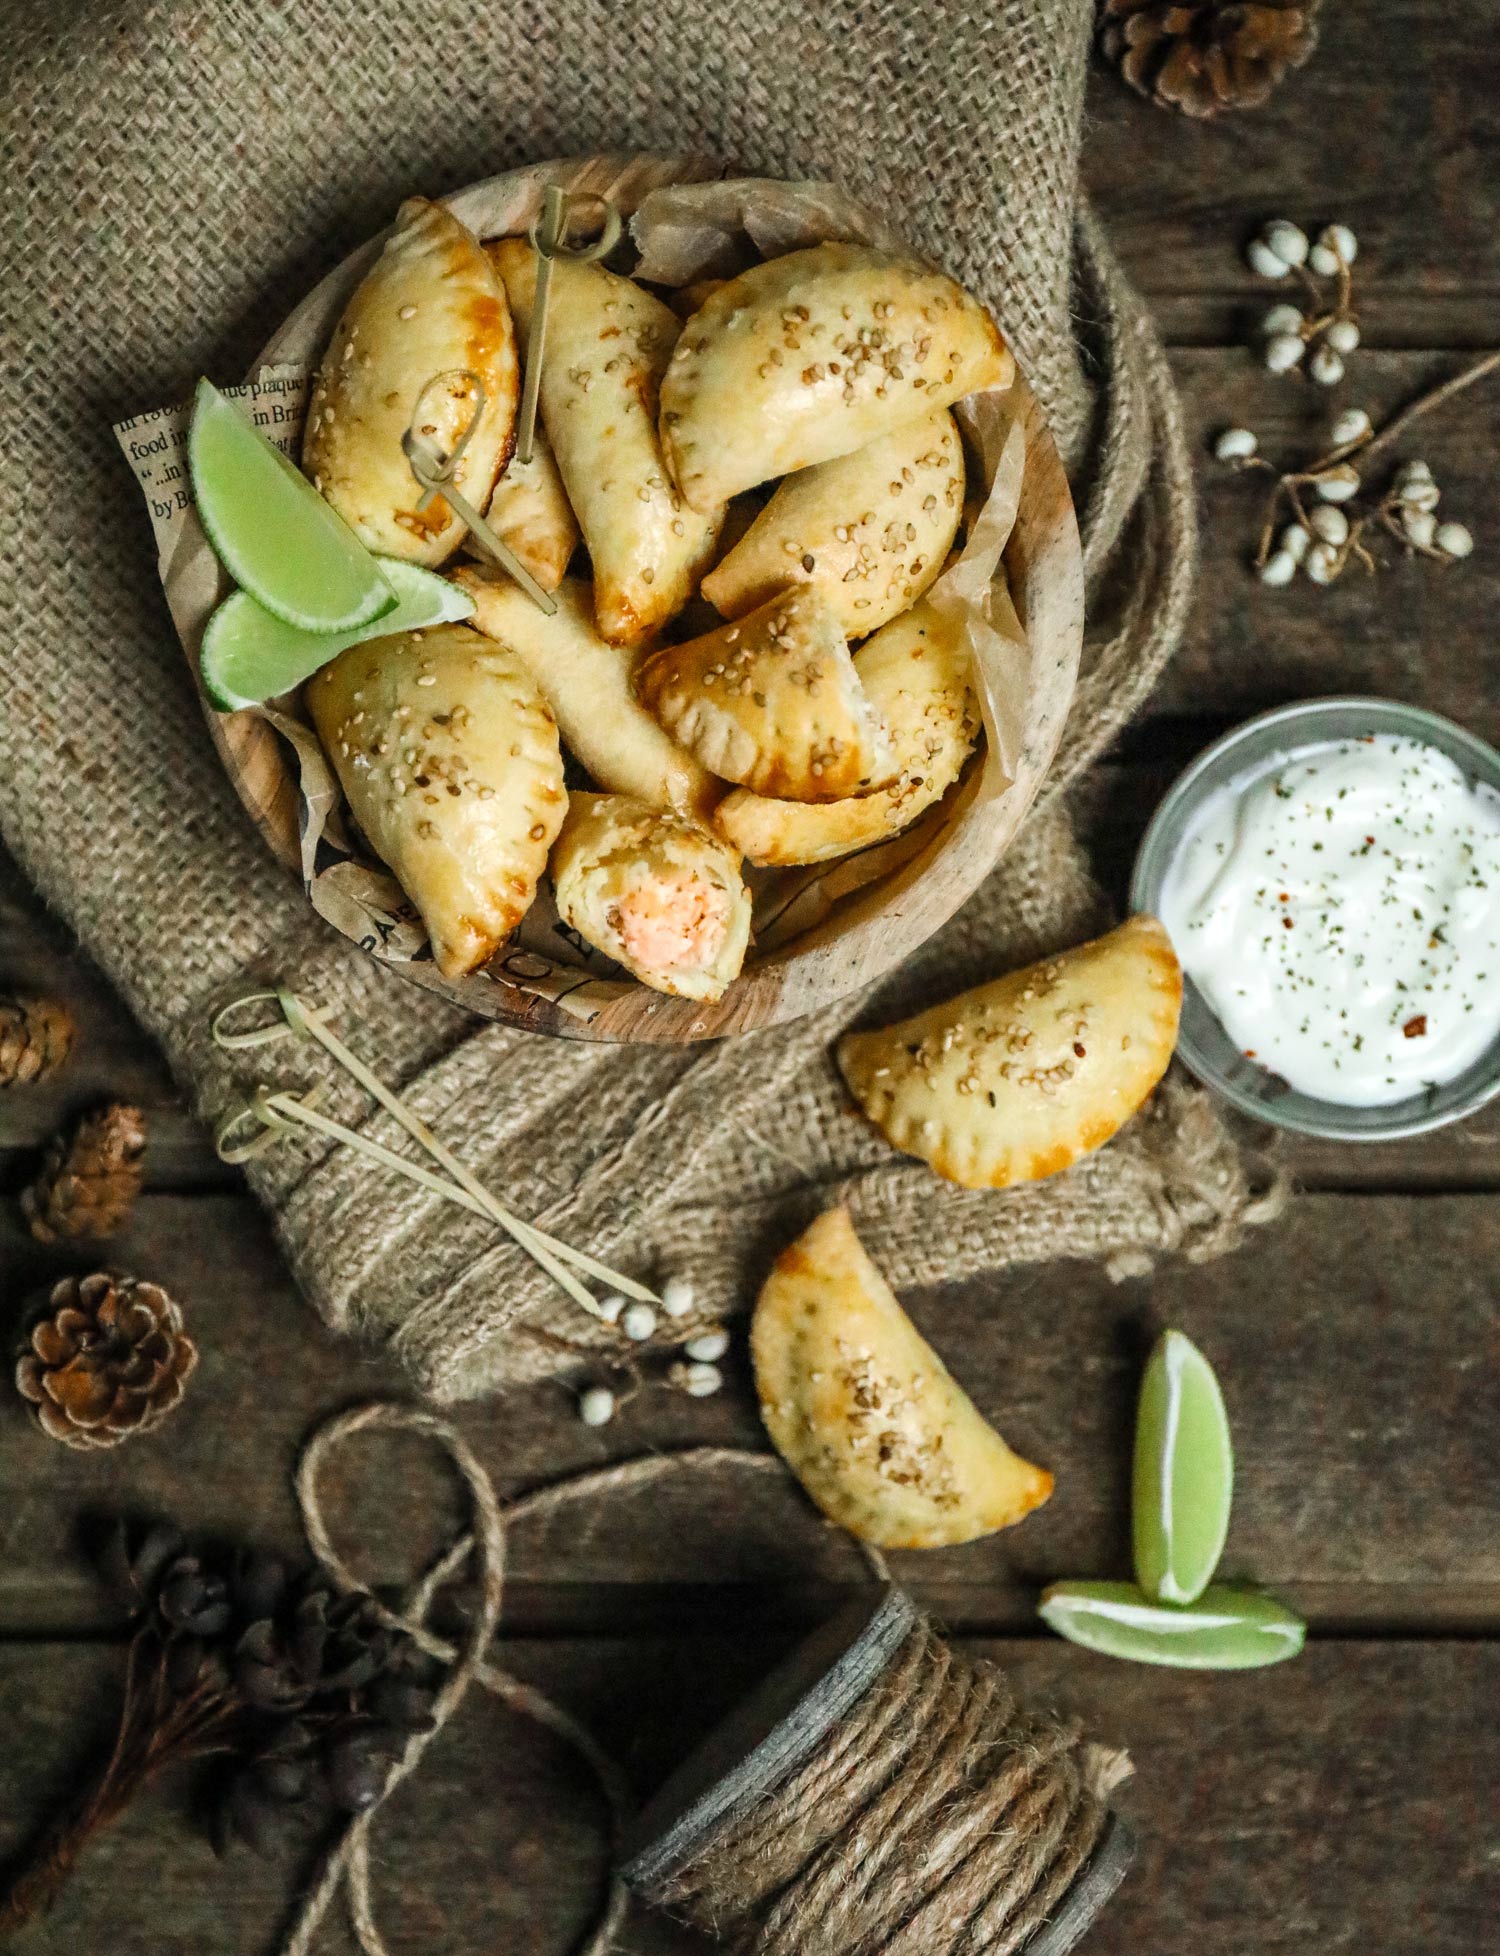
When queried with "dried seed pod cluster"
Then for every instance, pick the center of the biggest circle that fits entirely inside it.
(693, 1370)
(1317, 337)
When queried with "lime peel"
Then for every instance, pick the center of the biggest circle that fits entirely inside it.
(272, 531)
(1228, 1629)
(249, 654)
(1183, 1474)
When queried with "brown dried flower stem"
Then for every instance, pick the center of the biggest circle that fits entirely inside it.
(157, 1729)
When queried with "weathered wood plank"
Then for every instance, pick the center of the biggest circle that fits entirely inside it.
(1356, 1339)
(1346, 1801)
(1392, 128)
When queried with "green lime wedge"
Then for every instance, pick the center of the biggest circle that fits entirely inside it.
(1225, 1630)
(271, 529)
(250, 655)
(1184, 1473)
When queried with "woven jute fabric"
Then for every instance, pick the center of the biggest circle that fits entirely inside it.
(177, 175)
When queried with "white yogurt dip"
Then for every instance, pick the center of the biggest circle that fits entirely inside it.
(1338, 906)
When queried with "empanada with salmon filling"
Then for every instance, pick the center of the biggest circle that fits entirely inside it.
(587, 683)
(1018, 1078)
(653, 891)
(871, 530)
(865, 1413)
(449, 758)
(810, 356)
(608, 343)
(917, 677)
(531, 514)
(430, 311)
(772, 702)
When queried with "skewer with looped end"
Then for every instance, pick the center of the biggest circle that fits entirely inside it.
(435, 472)
(549, 237)
(271, 1115)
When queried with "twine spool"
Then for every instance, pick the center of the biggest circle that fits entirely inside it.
(885, 1793)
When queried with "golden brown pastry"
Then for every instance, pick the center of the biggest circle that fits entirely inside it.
(587, 683)
(811, 356)
(865, 1413)
(531, 514)
(653, 891)
(449, 758)
(430, 309)
(917, 677)
(871, 530)
(1018, 1078)
(608, 343)
(772, 702)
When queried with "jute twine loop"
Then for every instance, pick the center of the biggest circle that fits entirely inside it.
(346, 1868)
(939, 1817)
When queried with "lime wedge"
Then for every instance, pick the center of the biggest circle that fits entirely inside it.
(1184, 1473)
(271, 529)
(1225, 1630)
(250, 655)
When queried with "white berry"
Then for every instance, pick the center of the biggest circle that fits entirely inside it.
(1325, 366)
(700, 1381)
(1453, 540)
(677, 1297)
(1235, 444)
(1282, 319)
(1338, 484)
(1283, 352)
(1287, 240)
(638, 1322)
(610, 1307)
(596, 1407)
(1420, 526)
(1263, 261)
(1418, 470)
(1343, 335)
(1322, 564)
(1330, 524)
(1294, 540)
(1278, 569)
(1419, 492)
(1352, 425)
(1336, 245)
(708, 1345)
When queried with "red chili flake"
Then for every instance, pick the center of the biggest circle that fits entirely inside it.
(1249, 1052)
(1080, 1050)
(1416, 1028)
(1286, 923)
(1285, 897)
(1369, 842)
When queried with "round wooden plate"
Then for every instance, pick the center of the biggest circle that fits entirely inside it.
(866, 932)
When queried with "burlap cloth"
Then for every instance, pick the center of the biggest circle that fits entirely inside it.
(177, 175)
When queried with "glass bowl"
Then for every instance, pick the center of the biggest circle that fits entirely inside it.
(1203, 1045)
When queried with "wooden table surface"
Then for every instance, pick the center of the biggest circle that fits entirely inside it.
(1349, 1801)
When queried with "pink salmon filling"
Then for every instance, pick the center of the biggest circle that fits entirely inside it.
(675, 921)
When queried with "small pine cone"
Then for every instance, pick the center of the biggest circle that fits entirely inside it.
(36, 1035)
(1207, 55)
(108, 1357)
(90, 1178)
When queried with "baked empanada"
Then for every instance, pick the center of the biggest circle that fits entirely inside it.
(608, 343)
(1018, 1078)
(430, 310)
(587, 683)
(653, 891)
(772, 702)
(449, 759)
(531, 514)
(871, 530)
(865, 1413)
(916, 676)
(812, 355)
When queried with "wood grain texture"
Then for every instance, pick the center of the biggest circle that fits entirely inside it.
(1356, 1340)
(1344, 1802)
(1392, 128)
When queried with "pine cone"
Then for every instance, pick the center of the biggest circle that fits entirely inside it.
(1207, 55)
(35, 1037)
(107, 1358)
(89, 1179)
